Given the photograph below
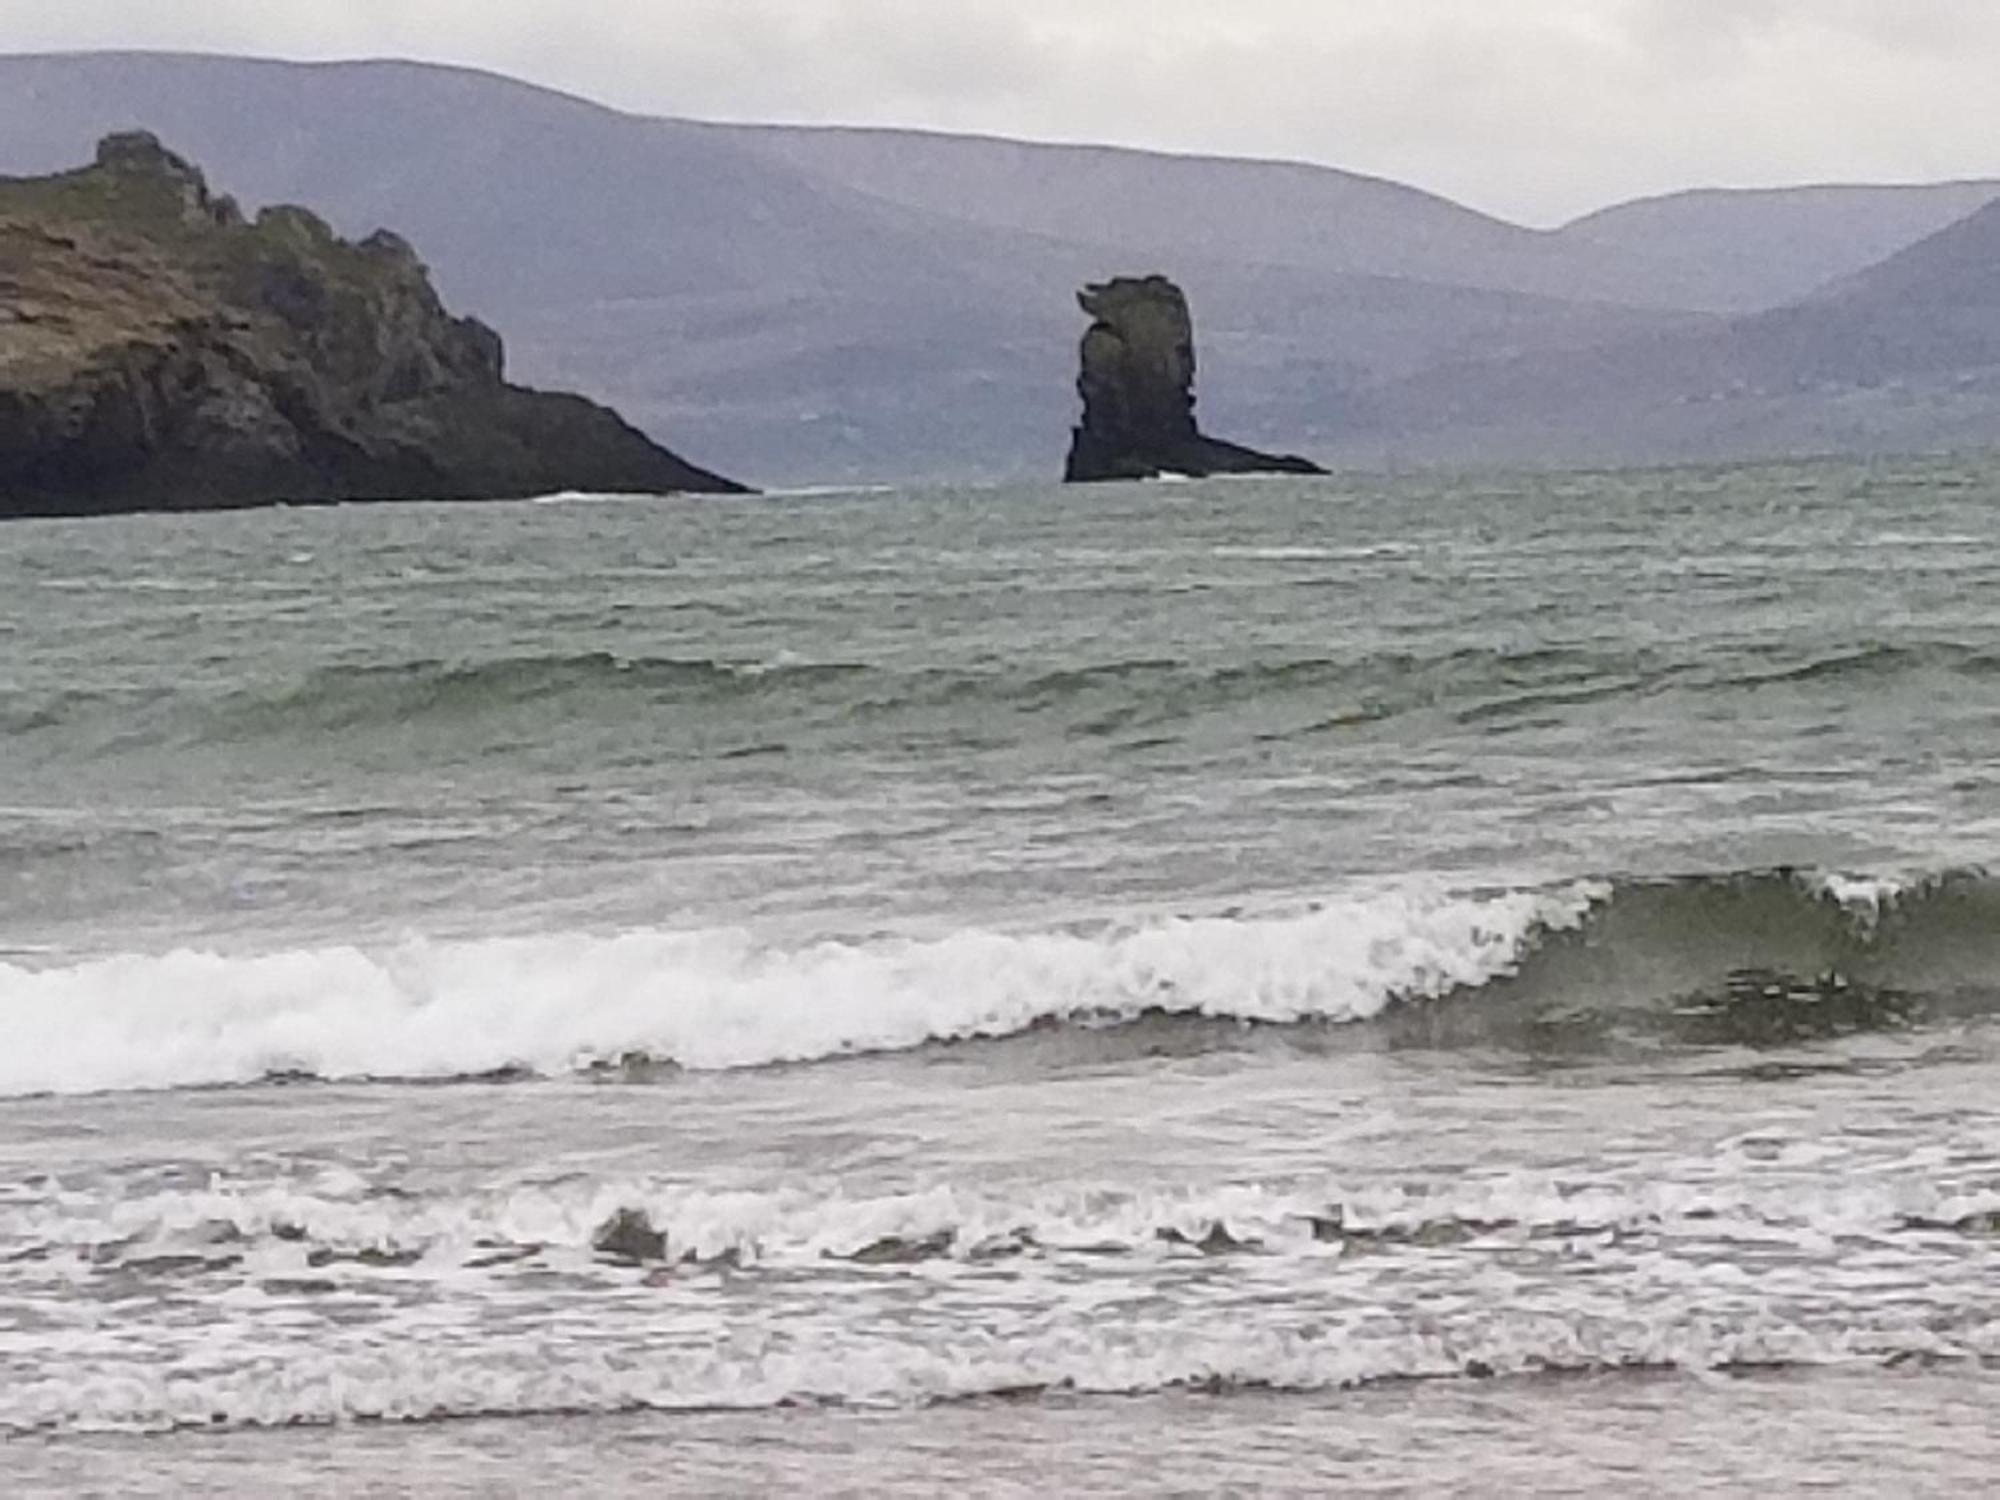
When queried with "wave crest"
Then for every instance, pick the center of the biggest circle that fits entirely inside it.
(711, 1000)
(1751, 959)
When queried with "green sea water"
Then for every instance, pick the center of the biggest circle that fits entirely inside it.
(1054, 966)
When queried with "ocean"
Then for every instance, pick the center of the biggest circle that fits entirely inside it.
(1430, 983)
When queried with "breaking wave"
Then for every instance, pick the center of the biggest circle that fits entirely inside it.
(420, 1381)
(710, 1000)
(1772, 957)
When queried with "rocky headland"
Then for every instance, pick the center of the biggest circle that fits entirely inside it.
(159, 351)
(1137, 386)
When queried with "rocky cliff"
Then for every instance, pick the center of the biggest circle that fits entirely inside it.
(1138, 392)
(160, 351)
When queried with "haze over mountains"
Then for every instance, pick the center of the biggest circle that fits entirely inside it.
(813, 305)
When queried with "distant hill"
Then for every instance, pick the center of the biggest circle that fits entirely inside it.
(1219, 209)
(1709, 251)
(1743, 250)
(822, 305)
(1904, 354)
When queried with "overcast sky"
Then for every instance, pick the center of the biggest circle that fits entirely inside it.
(1537, 109)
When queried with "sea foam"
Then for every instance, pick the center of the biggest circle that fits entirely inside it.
(720, 999)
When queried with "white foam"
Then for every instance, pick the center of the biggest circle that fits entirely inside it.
(1866, 895)
(713, 1000)
(1853, 1269)
(828, 491)
(1866, 898)
(1313, 554)
(801, 1226)
(441, 1377)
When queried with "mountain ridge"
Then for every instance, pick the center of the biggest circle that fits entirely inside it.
(1903, 354)
(808, 315)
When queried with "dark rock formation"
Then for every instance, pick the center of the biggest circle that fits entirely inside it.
(629, 1235)
(157, 351)
(1138, 392)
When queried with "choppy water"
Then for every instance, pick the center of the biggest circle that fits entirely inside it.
(1107, 986)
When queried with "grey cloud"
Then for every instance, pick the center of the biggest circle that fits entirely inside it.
(1904, 25)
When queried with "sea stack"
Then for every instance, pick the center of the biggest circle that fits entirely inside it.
(1137, 386)
(159, 351)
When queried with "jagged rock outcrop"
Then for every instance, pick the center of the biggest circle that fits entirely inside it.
(1138, 392)
(158, 351)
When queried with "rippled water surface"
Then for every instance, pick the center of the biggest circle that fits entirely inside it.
(1416, 983)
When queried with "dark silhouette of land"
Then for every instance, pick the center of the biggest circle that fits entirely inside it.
(159, 350)
(1137, 386)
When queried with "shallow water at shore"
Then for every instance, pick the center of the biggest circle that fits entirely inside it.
(1919, 1433)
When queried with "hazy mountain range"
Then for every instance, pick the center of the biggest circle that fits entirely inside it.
(796, 305)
